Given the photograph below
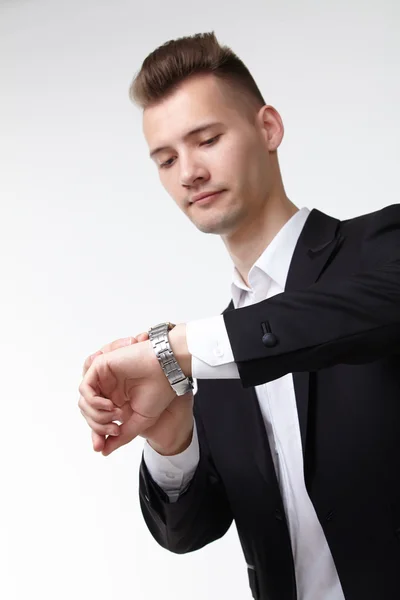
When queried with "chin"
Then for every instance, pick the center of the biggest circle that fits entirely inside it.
(217, 228)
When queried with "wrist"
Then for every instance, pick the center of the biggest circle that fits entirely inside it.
(178, 344)
(176, 448)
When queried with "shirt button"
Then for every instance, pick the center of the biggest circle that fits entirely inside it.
(218, 351)
(170, 475)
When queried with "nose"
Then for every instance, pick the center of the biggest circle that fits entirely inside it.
(191, 172)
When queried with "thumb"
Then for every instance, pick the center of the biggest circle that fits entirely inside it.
(128, 431)
(114, 442)
(98, 441)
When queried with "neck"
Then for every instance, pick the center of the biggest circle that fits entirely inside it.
(247, 244)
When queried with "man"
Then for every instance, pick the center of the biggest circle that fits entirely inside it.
(294, 431)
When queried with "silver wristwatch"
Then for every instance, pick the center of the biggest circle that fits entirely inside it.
(158, 336)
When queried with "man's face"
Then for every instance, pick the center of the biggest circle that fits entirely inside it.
(231, 155)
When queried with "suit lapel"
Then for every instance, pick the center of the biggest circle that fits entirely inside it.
(317, 243)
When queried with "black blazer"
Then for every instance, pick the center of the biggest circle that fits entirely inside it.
(336, 327)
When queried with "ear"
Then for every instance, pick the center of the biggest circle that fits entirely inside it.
(271, 126)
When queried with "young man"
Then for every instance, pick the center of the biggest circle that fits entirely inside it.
(294, 431)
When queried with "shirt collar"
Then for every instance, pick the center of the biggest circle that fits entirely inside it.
(275, 261)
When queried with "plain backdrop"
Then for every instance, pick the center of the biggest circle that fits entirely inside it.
(92, 249)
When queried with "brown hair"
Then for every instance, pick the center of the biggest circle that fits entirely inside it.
(170, 64)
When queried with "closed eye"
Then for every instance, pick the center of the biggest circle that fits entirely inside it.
(167, 164)
(210, 140)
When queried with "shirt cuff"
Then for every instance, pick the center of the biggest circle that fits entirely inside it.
(173, 473)
(209, 345)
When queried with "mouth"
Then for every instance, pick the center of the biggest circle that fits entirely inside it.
(208, 199)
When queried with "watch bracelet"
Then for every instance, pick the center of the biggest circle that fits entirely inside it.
(176, 377)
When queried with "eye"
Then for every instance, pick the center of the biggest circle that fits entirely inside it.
(210, 140)
(167, 164)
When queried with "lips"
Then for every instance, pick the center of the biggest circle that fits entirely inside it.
(205, 197)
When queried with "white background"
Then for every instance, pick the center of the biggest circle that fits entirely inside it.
(92, 249)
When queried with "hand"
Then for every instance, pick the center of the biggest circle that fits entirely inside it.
(100, 415)
(172, 431)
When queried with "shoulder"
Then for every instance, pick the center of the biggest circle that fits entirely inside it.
(368, 226)
(386, 215)
(381, 236)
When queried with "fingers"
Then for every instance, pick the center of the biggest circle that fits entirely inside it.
(109, 429)
(103, 406)
(97, 403)
(89, 361)
(101, 412)
(142, 337)
(128, 431)
(100, 416)
(104, 428)
(98, 441)
(120, 343)
(114, 442)
(102, 421)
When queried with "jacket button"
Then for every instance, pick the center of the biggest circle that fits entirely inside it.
(278, 515)
(269, 340)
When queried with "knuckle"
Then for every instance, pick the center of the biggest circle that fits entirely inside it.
(105, 419)
(99, 429)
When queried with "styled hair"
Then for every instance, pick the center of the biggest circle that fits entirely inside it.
(175, 61)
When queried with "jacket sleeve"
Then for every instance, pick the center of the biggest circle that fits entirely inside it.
(173, 474)
(354, 319)
(201, 514)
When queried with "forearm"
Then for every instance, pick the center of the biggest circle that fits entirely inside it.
(351, 319)
(354, 320)
(173, 472)
(179, 446)
(178, 343)
(200, 515)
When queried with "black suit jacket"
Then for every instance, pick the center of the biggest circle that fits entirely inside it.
(336, 327)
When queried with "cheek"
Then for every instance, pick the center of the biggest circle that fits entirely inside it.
(170, 185)
(167, 180)
(230, 162)
(238, 163)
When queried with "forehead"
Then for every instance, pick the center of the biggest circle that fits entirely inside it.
(198, 100)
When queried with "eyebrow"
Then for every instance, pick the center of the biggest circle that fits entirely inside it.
(187, 135)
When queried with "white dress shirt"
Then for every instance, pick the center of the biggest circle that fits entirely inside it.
(208, 342)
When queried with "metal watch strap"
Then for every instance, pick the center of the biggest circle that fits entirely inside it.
(158, 336)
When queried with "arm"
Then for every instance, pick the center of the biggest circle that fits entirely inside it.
(173, 473)
(347, 320)
(350, 320)
(199, 516)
